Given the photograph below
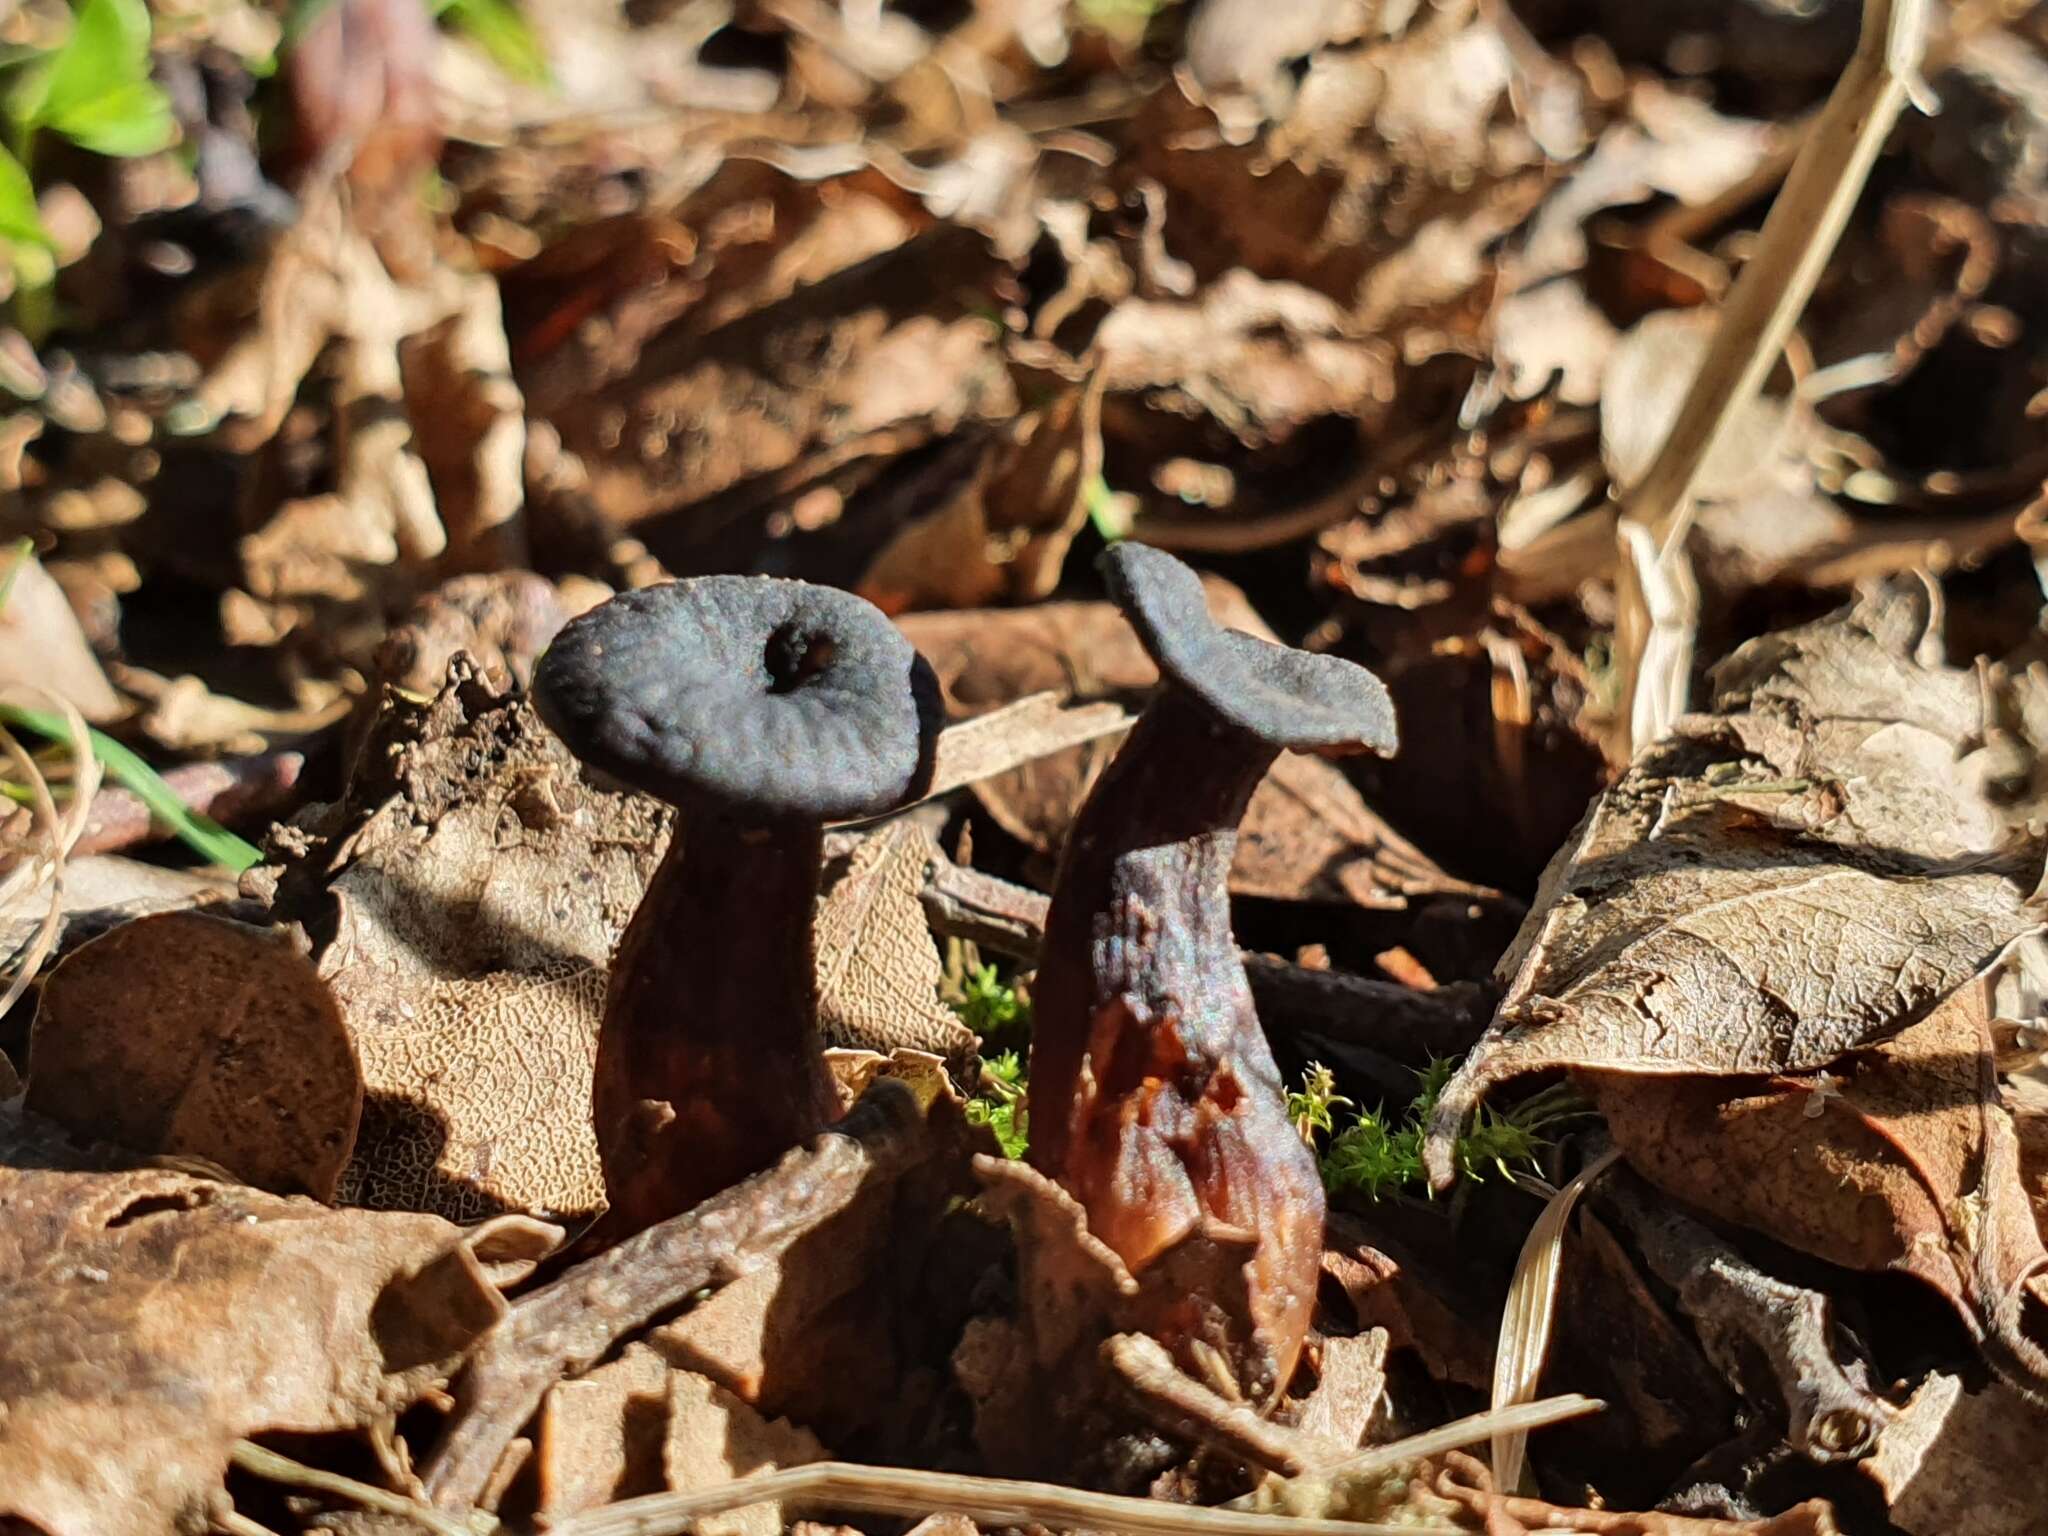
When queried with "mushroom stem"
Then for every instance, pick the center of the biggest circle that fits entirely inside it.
(709, 1065)
(1156, 1100)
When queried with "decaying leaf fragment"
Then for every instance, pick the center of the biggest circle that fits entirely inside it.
(150, 1319)
(188, 1034)
(1806, 871)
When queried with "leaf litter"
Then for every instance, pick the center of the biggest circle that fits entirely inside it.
(1378, 312)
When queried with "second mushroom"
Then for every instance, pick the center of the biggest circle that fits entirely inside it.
(762, 709)
(1155, 1100)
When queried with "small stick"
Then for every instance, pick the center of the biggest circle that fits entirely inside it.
(994, 1501)
(266, 1463)
(225, 791)
(1799, 235)
(570, 1324)
(1181, 1406)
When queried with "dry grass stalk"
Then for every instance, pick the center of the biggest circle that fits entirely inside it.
(1525, 1323)
(43, 863)
(268, 1464)
(1658, 605)
(990, 1501)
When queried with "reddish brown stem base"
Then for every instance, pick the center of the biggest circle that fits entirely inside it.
(1156, 1101)
(709, 1065)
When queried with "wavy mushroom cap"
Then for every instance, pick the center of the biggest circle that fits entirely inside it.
(1287, 698)
(776, 700)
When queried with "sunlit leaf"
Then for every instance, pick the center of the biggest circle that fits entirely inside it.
(500, 30)
(96, 88)
(19, 220)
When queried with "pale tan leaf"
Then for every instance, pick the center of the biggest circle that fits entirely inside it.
(714, 1438)
(41, 643)
(878, 968)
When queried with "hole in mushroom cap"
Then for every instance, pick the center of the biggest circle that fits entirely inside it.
(794, 656)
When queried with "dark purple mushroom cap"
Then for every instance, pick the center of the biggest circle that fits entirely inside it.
(1286, 698)
(772, 700)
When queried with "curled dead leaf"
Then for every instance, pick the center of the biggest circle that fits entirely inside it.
(195, 1036)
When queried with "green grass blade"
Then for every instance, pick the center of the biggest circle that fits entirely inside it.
(202, 833)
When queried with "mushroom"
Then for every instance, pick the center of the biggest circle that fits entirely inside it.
(762, 709)
(1154, 1097)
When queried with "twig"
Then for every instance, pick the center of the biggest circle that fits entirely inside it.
(1178, 1404)
(570, 1324)
(224, 791)
(232, 1522)
(1009, 919)
(266, 1463)
(1744, 1315)
(1016, 734)
(1800, 234)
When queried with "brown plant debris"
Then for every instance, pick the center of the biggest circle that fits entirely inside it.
(152, 1319)
(572, 1323)
(878, 970)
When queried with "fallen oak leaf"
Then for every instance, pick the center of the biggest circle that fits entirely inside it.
(1806, 872)
(212, 1312)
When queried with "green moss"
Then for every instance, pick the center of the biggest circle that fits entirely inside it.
(1377, 1156)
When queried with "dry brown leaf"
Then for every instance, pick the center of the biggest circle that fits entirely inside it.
(1646, 382)
(429, 425)
(1978, 1475)
(878, 969)
(1308, 834)
(639, 1425)
(151, 1319)
(1351, 1385)
(1902, 1158)
(600, 1437)
(1808, 871)
(1673, 143)
(198, 1037)
(895, 353)
(42, 644)
(713, 1438)
(1004, 534)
